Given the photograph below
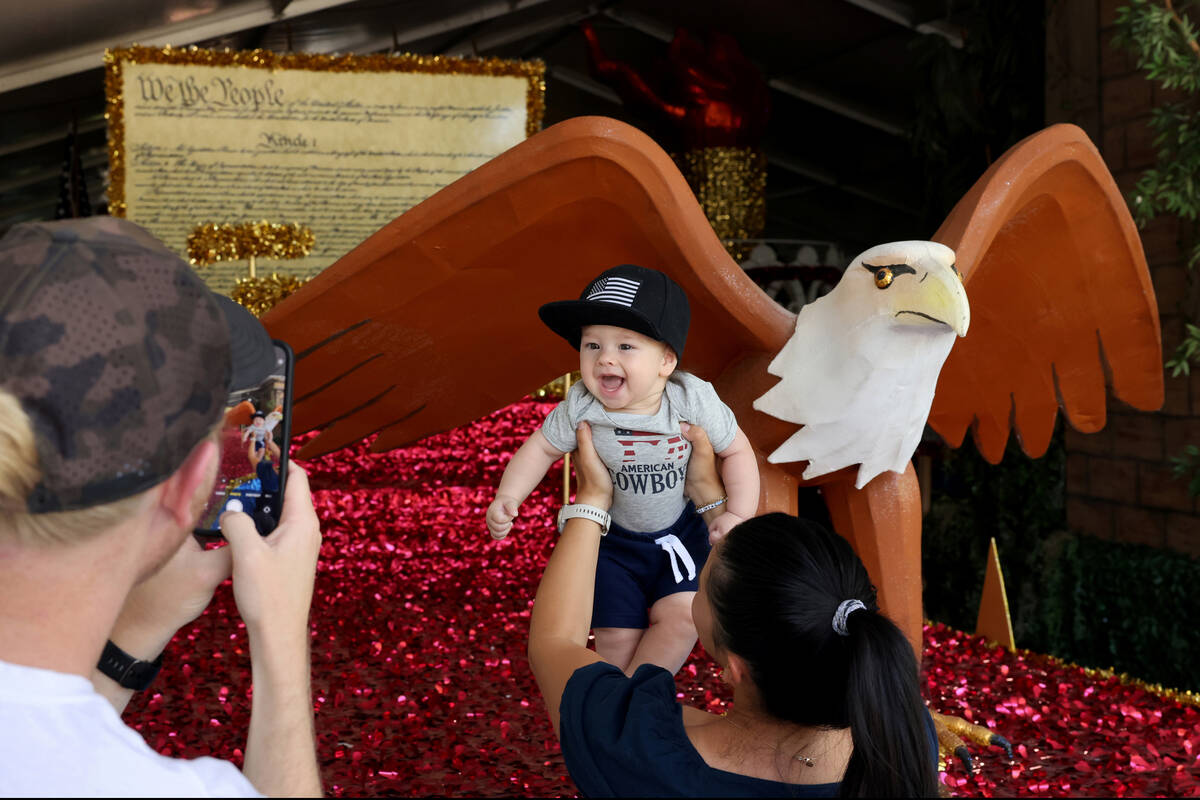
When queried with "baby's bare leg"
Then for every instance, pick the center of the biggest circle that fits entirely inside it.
(670, 637)
(617, 645)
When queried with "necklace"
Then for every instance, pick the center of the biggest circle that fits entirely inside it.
(803, 759)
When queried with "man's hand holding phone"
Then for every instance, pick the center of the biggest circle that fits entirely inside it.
(272, 586)
(254, 466)
(273, 575)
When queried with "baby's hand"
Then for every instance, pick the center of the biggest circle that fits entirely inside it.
(500, 515)
(722, 525)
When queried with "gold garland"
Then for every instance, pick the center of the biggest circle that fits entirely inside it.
(260, 295)
(731, 185)
(1181, 696)
(210, 242)
(534, 71)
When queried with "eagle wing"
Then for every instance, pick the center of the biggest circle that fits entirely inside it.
(1061, 300)
(432, 321)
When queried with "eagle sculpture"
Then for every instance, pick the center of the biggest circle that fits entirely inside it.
(880, 337)
(432, 321)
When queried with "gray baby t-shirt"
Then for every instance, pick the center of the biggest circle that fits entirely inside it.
(645, 453)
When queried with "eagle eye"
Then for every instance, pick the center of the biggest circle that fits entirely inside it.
(886, 273)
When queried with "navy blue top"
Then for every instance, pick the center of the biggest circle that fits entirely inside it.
(624, 737)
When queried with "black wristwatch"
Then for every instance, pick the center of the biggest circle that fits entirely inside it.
(129, 672)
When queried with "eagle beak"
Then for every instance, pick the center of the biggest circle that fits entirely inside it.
(938, 297)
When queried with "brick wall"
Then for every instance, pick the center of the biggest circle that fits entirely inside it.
(1119, 481)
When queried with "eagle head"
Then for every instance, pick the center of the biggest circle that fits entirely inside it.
(860, 370)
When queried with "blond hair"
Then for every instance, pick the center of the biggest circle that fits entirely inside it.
(20, 472)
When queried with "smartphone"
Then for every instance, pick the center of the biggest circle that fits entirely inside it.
(255, 437)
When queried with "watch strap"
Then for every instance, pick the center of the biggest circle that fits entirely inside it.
(127, 671)
(597, 515)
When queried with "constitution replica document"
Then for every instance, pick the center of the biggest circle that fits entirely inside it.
(339, 144)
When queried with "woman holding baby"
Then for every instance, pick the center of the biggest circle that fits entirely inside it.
(826, 699)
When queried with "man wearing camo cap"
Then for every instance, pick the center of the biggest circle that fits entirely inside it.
(115, 364)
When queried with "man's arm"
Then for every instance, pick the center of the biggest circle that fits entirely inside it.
(160, 605)
(272, 585)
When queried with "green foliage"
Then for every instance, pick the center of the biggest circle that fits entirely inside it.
(1163, 39)
(1161, 34)
(1019, 502)
(1096, 603)
(1172, 186)
(1187, 465)
(1125, 606)
(1188, 349)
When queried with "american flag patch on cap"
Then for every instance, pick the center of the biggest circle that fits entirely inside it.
(614, 290)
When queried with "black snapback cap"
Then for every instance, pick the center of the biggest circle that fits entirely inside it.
(120, 355)
(627, 296)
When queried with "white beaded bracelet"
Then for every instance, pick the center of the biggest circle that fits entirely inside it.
(711, 506)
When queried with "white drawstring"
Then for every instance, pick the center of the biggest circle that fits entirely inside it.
(677, 552)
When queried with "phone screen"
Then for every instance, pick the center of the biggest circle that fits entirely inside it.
(255, 437)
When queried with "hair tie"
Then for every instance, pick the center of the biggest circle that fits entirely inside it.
(843, 612)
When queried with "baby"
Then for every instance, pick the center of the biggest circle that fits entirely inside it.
(261, 424)
(257, 428)
(630, 325)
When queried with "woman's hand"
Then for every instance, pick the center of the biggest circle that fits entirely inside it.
(703, 484)
(593, 478)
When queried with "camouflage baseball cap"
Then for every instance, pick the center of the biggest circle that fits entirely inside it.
(119, 354)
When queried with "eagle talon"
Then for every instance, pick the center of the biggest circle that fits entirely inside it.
(996, 740)
(954, 734)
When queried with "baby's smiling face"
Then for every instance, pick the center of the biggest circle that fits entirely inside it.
(626, 370)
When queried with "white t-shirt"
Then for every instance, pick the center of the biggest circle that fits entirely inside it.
(60, 738)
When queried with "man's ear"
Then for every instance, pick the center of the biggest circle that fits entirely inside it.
(194, 477)
(669, 362)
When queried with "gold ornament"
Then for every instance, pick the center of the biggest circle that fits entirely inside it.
(260, 295)
(211, 242)
(731, 185)
(534, 71)
(557, 388)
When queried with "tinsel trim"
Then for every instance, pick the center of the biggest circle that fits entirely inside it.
(260, 295)
(210, 242)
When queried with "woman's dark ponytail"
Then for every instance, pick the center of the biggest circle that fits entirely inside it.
(774, 590)
(888, 720)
